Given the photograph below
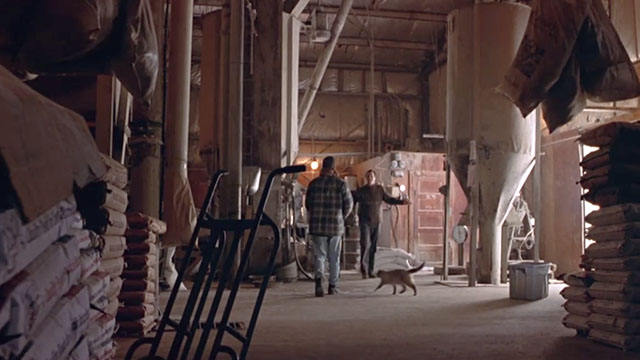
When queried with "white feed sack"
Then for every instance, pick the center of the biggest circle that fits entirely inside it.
(114, 287)
(615, 291)
(114, 246)
(113, 266)
(117, 223)
(393, 259)
(81, 350)
(116, 172)
(98, 285)
(116, 199)
(99, 337)
(91, 262)
(83, 237)
(21, 244)
(63, 328)
(33, 293)
(577, 308)
(114, 305)
(576, 322)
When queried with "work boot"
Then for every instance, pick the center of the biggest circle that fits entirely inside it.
(319, 289)
(332, 290)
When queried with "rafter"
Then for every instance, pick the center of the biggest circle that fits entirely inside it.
(389, 14)
(386, 44)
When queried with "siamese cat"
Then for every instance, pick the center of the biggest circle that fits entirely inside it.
(399, 277)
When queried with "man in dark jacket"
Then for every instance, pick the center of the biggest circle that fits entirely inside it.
(329, 202)
(370, 198)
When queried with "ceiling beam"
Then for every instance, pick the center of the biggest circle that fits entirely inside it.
(355, 66)
(354, 41)
(211, 2)
(295, 7)
(385, 44)
(389, 14)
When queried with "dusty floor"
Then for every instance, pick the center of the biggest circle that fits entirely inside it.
(442, 322)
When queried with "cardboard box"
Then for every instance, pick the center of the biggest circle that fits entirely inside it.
(46, 147)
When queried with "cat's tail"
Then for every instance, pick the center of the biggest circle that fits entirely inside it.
(416, 269)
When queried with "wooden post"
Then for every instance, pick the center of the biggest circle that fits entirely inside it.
(267, 85)
(105, 113)
(210, 120)
(474, 214)
(445, 230)
(537, 173)
(179, 211)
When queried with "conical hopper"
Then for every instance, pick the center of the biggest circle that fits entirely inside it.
(482, 41)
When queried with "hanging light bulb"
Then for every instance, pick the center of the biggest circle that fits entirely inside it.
(314, 165)
(402, 188)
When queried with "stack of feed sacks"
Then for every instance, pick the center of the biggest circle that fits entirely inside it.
(46, 151)
(578, 299)
(102, 205)
(44, 307)
(140, 287)
(612, 176)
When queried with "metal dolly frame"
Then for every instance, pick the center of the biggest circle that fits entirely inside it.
(188, 325)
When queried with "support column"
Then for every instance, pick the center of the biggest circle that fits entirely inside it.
(179, 211)
(146, 141)
(267, 85)
(211, 94)
(105, 113)
(234, 134)
(290, 64)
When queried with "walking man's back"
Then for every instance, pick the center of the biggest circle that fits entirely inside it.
(329, 202)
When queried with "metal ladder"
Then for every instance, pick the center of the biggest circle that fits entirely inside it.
(186, 328)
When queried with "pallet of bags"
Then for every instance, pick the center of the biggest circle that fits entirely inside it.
(612, 177)
(577, 304)
(611, 174)
(137, 316)
(31, 295)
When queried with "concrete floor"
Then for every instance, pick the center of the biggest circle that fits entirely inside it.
(442, 322)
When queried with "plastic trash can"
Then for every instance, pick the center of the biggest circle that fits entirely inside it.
(529, 281)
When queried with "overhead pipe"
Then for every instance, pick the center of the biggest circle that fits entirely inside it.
(323, 62)
(179, 211)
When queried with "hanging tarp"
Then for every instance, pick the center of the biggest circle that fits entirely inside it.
(47, 148)
(86, 37)
(61, 30)
(570, 53)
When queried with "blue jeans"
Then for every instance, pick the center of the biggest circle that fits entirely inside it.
(323, 247)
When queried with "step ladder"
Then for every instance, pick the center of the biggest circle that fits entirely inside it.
(186, 329)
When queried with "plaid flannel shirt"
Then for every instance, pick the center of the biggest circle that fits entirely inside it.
(329, 202)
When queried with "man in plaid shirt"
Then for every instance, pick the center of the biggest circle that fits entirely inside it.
(329, 202)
